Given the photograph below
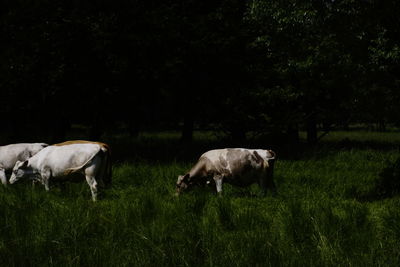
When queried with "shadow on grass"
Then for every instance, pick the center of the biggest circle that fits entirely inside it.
(370, 196)
(387, 185)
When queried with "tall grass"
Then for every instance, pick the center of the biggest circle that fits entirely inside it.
(322, 215)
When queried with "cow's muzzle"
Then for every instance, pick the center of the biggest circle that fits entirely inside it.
(13, 179)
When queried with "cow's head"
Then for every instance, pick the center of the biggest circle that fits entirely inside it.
(183, 183)
(21, 170)
(187, 182)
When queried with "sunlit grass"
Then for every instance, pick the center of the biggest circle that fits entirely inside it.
(323, 215)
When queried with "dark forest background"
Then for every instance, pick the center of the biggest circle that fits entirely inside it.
(237, 67)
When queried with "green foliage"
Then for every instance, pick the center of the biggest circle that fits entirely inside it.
(238, 66)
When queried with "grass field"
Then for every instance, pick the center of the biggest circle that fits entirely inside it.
(327, 212)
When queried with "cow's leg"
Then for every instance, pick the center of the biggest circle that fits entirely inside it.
(270, 178)
(3, 177)
(92, 175)
(102, 172)
(262, 182)
(93, 186)
(45, 177)
(100, 182)
(218, 183)
(267, 182)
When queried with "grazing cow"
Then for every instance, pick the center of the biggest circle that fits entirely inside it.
(67, 162)
(105, 147)
(236, 166)
(10, 154)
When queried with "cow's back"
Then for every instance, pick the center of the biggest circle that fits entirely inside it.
(60, 159)
(236, 161)
(71, 142)
(106, 156)
(10, 154)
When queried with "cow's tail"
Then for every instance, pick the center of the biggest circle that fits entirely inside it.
(76, 169)
(105, 172)
(273, 154)
(269, 171)
(106, 162)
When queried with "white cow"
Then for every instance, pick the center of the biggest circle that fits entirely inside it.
(67, 161)
(236, 166)
(10, 154)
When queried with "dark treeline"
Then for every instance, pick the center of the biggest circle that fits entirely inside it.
(263, 66)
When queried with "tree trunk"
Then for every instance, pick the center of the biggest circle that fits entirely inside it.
(133, 129)
(312, 130)
(293, 134)
(381, 125)
(187, 130)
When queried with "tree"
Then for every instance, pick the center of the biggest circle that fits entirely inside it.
(315, 49)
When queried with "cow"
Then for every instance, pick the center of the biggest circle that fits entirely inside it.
(105, 147)
(69, 161)
(237, 166)
(10, 154)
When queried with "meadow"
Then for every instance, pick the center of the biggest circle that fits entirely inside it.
(333, 207)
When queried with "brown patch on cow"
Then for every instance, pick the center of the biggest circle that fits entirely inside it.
(202, 167)
(257, 158)
(239, 160)
(82, 142)
(223, 162)
(233, 155)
